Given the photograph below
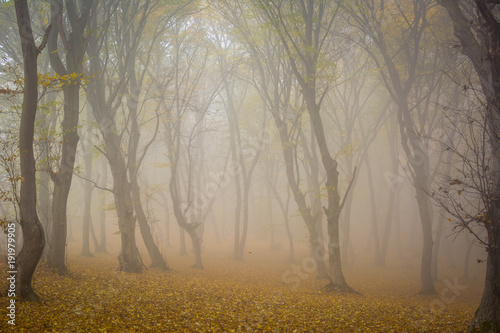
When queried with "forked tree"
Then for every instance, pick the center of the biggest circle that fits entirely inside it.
(304, 29)
(71, 29)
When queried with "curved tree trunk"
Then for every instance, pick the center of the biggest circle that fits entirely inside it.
(154, 253)
(332, 211)
(33, 235)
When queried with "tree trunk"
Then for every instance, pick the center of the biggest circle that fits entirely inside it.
(244, 232)
(332, 211)
(388, 224)
(44, 204)
(94, 238)
(316, 239)
(196, 241)
(298, 195)
(44, 193)
(233, 128)
(487, 315)
(62, 180)
(420, 164)
(374, 230)
(153, 251)
(128, 257)
(435, 252)
(167, 221)
(427, 283)
(182, 235)
(33, 235)
(394, 188)
(102, 210)
(133, 101)
(87, 210)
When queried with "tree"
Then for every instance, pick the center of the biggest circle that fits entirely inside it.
(399, 58)
(74, 46)
(477, 26)
(105, 98)
(87, 188)
(362, 115)
(304, 28)
(33, 235)
(186, 111)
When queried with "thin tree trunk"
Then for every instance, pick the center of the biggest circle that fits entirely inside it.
(87, 210)
(94, 238)
(233, 128)
(102, 211)
(167, 222)
(394, 188)
(388, 224)
(269, 206)
(154, 253)
(373, 205)
(244, 233)
(425, 219)
(348, 257)
(44, 203)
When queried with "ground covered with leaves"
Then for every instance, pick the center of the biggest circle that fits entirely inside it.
(230, 296)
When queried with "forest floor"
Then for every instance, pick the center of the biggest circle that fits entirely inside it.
(229, 296)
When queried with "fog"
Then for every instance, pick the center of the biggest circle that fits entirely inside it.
(261, 165)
